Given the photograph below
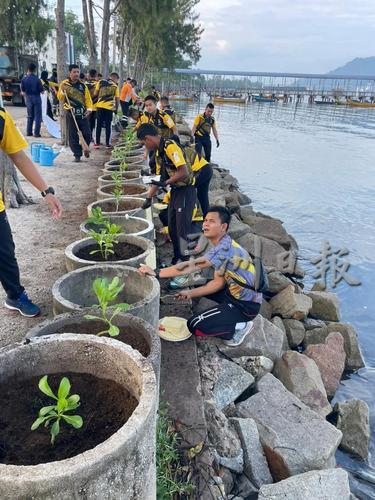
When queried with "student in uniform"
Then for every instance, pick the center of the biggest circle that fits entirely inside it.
(107, 104)
(91, 82)
(175, 172)
(31, 88)
(196, 220)
(47, 87)
(203, 124)
(166, 107)
(232, 287)
(81, 104)
(13, 143)
(128, 95)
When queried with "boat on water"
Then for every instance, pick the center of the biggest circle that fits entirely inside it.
(260, 98)
(360, 104)
(229, 99)
(325, 102)
(180, 97)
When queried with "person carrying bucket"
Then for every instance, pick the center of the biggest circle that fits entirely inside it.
(12, 143)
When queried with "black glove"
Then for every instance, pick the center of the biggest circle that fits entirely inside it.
(147, 203)
(217, 143)
(160, 184)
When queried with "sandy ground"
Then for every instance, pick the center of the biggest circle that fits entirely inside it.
(40, 241)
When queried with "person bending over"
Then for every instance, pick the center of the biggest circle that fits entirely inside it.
(232, 286)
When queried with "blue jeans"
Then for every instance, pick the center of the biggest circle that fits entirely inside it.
(34, 114)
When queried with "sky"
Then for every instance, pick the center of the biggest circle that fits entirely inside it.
(311, 36)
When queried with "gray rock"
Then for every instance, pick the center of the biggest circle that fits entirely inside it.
(266, 309)
(231, 383)
(353, 422)
(295, 439)
(289, 304)
(331, 484)
(223, 438)
(270, 249)
(330, 359)
(247, 213)
(277, 282)
(265, 340)
(217, 197)
(227, 479)
(301, 376)
(243, 199)
(216, 181)
(310, 323)
(255, 463)
(272, 229)
(325, 305)
(237, 228)
(277, 321)
(229, 181)
(258, 366)
(244, 487)
(354, 359)
(318, 287)
(295, 332)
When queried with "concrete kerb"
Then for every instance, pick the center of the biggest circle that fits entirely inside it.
(123, 466)
(127, 205)
(132, 226)
(73, 262)
(76, 323)
(128, 189)
(73, 291)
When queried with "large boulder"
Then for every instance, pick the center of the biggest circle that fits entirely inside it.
(353, 422)
(232, 381)
(255, 463)
(330, 359)
(277, 321)
(331, 484)
(272, 229)
(301, 376)
(311, 323)
(257, 366)
(265, 339)
(325, 305)
(237, 228)
(295, 439)
(266, 309)
(217, 197)
(270, 249)
(216, 181)
(247, 213)
(354, 359)
(277, 282)
(289, 304)
(295, 331)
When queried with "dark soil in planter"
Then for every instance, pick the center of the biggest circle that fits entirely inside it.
(105, 407)
(110, 206)
(122, 251)
(127, 189)
(127, 336)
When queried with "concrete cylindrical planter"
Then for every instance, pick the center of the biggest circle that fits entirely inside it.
(121, 466)
(137, 190)
(132, 226)
(127, 205)
(133, 249)
(136, 332)
(114, 165)
(137, 146)
(133, 177)
(73, 291)
(131, 157)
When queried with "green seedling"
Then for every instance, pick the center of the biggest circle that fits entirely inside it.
(106, 239)
(53, 414)
(117, 193)
(107, 293)
(97, 218)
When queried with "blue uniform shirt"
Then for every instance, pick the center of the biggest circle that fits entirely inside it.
(31, 85)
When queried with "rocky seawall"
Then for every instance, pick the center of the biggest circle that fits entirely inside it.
(270, 427)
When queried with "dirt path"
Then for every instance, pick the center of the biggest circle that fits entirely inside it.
(40, 241)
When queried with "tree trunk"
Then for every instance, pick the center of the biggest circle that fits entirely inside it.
(104, 53)
(88, 21)
(61, 59)
(10, 185)
(121, 57)
(114, 41)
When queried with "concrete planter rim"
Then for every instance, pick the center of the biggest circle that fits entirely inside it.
(146, 245)
(112, 445)
(110, 180)
(113, 200)
(100, 192)
(76, 307)
(149, 225)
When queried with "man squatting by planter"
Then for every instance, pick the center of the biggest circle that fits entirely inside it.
(12, 143)
(232, 286)
(81, 105)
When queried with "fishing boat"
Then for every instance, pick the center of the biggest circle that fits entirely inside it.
(360, 104)
(229, 99)
(328, 102)
(180, 97)
(260, 98)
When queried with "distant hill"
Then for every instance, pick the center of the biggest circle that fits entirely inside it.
(359, 66)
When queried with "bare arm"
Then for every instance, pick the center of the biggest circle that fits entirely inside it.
(193, 130)
(180, 174)
(214, 131)
(211, 287)
(180, 269)
(174, 130)
(28, 170)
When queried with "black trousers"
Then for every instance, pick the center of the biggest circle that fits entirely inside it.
(34, 114)
(125, 105)
(180, 213)
(92, 121)
(203, 141)
(202, 184)
(9, 271)
(196, 226)
(104, 120)
(220, 321)
(84, 127)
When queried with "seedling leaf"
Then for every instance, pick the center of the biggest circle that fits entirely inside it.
(45, 388)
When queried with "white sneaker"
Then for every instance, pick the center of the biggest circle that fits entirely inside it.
(239, 335)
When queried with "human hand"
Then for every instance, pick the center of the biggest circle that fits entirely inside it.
(54, 205)
(146, 270)
(185, 295)
(147, 203)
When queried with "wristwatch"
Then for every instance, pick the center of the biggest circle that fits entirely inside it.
(49, 190)
(157, 273)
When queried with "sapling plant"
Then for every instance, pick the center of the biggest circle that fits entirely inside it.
(97, 218)
(60, 411)
(106, 239)
(107, 293)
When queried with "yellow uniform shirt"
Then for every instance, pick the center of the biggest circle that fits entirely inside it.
(11, 140)
(78, 95)
(203, 124)
(162, 121)
(107, 91)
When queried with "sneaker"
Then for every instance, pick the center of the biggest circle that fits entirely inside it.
(77, 159)
(178, 282)
(23, 305)
(96, 146)
(108, 146)
(239, 335)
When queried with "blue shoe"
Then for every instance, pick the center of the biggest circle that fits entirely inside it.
(23, 305)
(178, 282)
